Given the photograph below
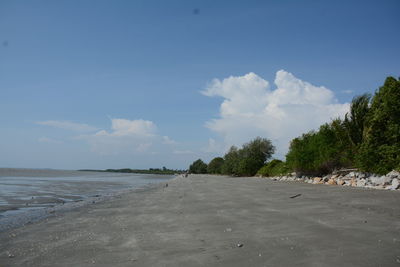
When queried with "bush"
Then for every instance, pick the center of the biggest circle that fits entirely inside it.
(317, 153)
(275, 167)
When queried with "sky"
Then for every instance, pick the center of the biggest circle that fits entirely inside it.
(146, 84)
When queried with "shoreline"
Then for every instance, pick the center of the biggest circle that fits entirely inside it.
(30, 215)
(201, 221)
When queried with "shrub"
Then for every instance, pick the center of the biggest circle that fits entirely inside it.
(275, 167)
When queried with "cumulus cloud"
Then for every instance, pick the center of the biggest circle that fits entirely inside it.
(251, 108)
(124, 127)
(68, 125)
(128, 137)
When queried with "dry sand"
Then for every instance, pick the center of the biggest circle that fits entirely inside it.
(200, 220)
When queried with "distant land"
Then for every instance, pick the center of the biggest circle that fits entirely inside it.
(163, 171)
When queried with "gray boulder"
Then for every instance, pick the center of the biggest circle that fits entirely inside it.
(395, 184)
(361, 183)
(393, 174)
(383, 180)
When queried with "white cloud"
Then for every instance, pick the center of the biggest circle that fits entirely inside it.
(128, 137)
(250, 108)
(124, 127)
(68, 125)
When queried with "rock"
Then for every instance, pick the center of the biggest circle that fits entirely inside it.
(317, 180)
(361, 183)
(361, 175)
(395, 184)
(340, 182)
(393, 174)
(240, 245)
(332, 181)
(326, 178)
(383, 180)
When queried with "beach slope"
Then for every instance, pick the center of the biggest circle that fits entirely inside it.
(208, 220)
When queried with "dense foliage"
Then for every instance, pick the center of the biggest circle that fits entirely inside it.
(215, 166)
(368, 138)
(245, 161)
(275, 167)
(317, 152)
(380, 149)
(249, 159)
(198, 167)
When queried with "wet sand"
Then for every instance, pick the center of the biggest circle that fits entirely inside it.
(200, 220)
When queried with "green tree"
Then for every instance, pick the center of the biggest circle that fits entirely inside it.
(231, 161)
(198, 166)
(380, 149)
(318, 152)
(215, 165)
(249, 159)
(355, 120)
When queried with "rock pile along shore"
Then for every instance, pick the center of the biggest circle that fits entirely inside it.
(390, 181)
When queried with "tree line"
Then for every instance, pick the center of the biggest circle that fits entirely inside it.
(367, 138)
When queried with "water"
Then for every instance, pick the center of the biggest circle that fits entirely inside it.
(28, 190)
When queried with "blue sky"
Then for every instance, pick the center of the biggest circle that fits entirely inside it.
(112, 84)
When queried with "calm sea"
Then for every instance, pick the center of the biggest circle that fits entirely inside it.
(23, 190)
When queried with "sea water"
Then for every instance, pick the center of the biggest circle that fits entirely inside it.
(25, 190)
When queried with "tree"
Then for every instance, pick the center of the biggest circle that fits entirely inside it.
(215, 165)
(254, 155)
(319, 152)
(354, 121)
(198, 166)
(249, 159)
(231, 160)
(380, 150)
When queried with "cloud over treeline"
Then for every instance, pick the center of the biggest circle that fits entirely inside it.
(251, 108)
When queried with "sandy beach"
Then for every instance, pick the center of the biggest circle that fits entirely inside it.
(218, 221)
